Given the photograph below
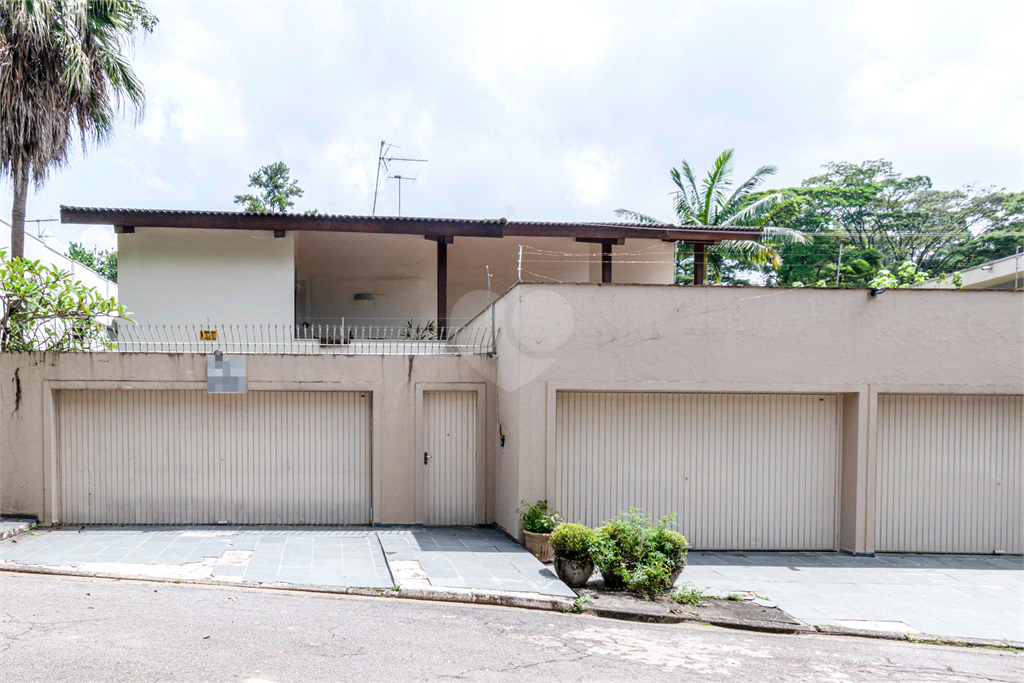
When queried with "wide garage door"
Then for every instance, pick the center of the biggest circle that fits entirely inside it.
(188, 457)
(740, 471)
(949, 474)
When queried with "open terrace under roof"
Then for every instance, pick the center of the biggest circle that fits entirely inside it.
(441, 230)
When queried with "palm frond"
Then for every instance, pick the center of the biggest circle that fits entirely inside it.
(687, 205)
(756, 213)
(749, 252)
(636, 216)
(717, 180)
(739, 197)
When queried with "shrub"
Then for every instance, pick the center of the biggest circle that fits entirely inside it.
(537, 518)
(633, 552)
(572, 541)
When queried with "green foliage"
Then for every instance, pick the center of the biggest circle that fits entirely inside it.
(688, 594)
(632, 551)
(276, 189)
(572, 541)
(420, 332)
(537, 518)
(712, 203)
(884, 220)
(103, 261)
(42, 308)
(577, 605)
(906, 275)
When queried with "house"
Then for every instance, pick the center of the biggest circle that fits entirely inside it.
(41, 248)
(1003, 273)
(562, 365)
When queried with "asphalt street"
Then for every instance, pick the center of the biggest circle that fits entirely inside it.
(60, 628)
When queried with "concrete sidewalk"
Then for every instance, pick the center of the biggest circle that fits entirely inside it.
(968, 596)
(416, 558)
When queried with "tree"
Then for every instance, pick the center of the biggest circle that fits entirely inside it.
(712, 204)
(42, 308)
(276, 190)
(103, 261)
(63, 71)
(884, 220)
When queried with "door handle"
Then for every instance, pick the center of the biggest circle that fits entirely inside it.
(426, 458)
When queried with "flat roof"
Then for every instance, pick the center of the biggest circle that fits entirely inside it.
(402, 225)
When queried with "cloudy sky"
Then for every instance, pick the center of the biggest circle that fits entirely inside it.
(551, 110)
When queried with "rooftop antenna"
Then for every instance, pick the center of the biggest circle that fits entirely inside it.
(400, 178)
(382, 161)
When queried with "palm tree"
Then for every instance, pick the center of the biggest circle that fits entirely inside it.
(712, 204)
(63, 70)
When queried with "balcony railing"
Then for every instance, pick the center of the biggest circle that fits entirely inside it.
(313, 339)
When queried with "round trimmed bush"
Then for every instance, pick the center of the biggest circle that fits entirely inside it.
(572, 541)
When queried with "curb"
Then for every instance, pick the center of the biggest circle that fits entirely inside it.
(532, 601)
(20, 529)
(681, 617)
(830, 630)
(459, 595)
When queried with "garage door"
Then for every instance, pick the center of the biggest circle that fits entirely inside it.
(188, 457)
(741, 471)
(949, 474)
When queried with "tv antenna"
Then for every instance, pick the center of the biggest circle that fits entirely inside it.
(383, 160)
(400, 178)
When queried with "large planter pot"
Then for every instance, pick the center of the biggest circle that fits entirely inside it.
(540, 546)
(573, 573)
(613, 581)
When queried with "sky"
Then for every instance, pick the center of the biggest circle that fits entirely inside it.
(549, 110)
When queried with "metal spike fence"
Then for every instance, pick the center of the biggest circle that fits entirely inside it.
(312, 339)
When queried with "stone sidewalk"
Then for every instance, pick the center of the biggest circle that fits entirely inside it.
(13, 527)
(415, 558)
(969, 596)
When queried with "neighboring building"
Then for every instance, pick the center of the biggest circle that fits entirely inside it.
(1004, 273)
(37, 249)
(765, 418)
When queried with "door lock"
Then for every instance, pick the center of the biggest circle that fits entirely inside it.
(426, 458)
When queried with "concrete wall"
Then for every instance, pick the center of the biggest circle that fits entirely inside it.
(191, 276)
(598, 338)
(27, 383)
(732, 339)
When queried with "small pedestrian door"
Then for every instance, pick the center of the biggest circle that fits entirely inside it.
(449, 457)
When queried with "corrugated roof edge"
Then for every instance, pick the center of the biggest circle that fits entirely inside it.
(413, 219)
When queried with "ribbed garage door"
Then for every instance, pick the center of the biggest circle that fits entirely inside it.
(740, 471)
(949, 474)
(188, 457)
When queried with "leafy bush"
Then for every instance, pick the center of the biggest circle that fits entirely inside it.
(537, 518)
(42, 308)
(572, 541)
(633, 552)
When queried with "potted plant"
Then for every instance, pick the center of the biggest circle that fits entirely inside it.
(538, 523)
(571, 543)
(635, 554)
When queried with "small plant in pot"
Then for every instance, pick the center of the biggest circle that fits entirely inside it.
(572, 543)
(538, 523)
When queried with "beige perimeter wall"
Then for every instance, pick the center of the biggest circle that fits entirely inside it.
(606, 338)
(29, 382)
(744, 340)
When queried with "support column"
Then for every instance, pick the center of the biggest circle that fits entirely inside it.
(606, 262)
(442, 284)
(699, 265)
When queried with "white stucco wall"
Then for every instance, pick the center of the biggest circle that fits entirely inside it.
(37, 250)
(194, 277)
